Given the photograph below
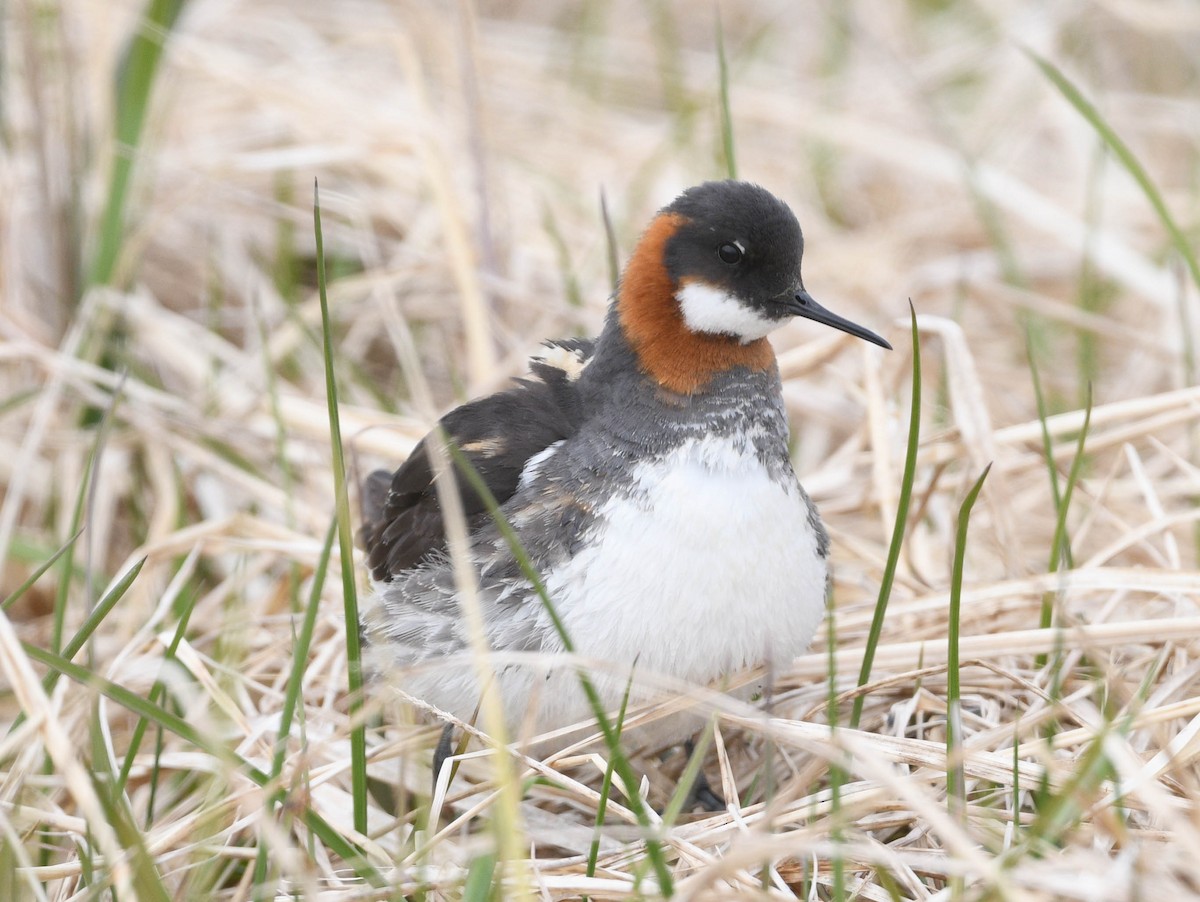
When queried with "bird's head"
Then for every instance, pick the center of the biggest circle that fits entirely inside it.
(716, 271)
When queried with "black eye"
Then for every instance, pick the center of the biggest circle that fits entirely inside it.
(729, 253)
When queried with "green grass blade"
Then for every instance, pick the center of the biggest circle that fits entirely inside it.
(109, 789)
(39, 572)
(1058, 813)
(610, 244)
(1061, 812)
(207, 744)
(156, 693)
(478, 886)
(100, 611)
(1016, 781)
(1047, 441)
(358, 734)
(902, 507)
(147, 881)
(890, 886)
(1060, 548)
(606, 786)
(295, 683)
(687, 779)
(956, 777)
(78, 513)
(726, 118)
(624, 769)
(837, 773)
(1125, 156)
(19, 399)
(88, 627)
(135, 82)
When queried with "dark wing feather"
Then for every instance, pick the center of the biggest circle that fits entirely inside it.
(402, 520)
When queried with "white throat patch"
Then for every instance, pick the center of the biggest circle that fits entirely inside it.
(709, 309)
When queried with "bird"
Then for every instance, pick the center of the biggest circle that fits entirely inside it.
(646, 474)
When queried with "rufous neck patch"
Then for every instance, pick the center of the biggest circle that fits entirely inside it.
(668, 351)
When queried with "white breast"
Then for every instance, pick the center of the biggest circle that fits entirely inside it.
(709, 568)
(705, 567)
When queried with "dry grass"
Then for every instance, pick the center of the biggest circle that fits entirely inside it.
(460, 156)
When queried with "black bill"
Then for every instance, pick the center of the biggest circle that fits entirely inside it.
(802, 304)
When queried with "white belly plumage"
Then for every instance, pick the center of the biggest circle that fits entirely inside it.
(708, 568)
(704, 567)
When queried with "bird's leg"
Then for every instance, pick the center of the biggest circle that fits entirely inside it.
(702, 794)
(444, 749)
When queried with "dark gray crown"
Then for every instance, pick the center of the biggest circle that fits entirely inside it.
(717, 214)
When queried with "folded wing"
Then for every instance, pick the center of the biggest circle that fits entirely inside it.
(402, 519)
